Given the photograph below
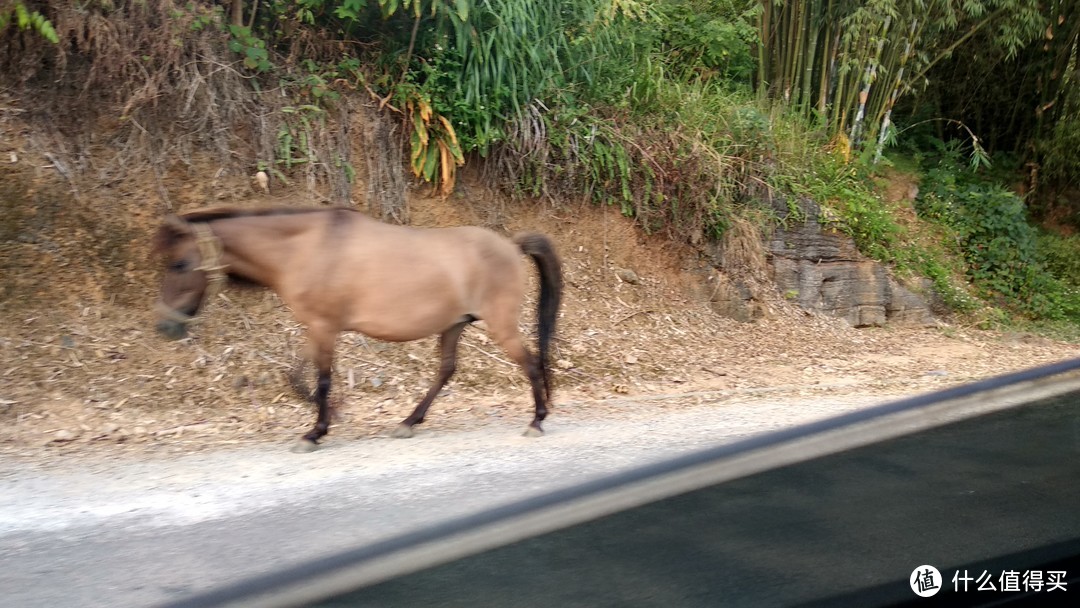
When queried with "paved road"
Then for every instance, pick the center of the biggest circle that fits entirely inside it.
(136, 533)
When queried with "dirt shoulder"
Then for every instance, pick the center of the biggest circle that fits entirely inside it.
(108, 387)
(83, 373)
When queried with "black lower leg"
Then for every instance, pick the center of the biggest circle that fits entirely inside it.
(448, 342)
(322, 399)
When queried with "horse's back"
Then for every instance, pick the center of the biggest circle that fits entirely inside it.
(470, 248)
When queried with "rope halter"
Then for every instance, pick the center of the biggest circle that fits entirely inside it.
(210, 254)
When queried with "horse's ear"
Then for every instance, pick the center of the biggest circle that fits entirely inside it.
(171, 231)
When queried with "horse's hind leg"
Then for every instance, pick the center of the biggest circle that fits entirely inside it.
(448, 343)
(322, 353)
(531, 365)
(510, 340)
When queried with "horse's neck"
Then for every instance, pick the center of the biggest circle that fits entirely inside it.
(257, 248)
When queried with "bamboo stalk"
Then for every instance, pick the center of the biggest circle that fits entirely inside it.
(764, 47)
(784, 75)
(840, 100)
(898, 83)
(801, 26)
(815, 23)
(868, 81)
(828, 72)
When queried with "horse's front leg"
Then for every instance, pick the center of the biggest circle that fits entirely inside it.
(448, 343)
(321, 344)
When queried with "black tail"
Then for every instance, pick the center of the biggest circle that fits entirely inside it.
(541, 250)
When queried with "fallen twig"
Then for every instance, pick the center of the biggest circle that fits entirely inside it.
(634, 314)
(495, 357)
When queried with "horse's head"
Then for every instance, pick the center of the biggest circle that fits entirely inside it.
(192, 256)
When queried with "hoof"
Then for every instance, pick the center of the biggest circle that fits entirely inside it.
(532, 431)
(402, 431)
(304, 446)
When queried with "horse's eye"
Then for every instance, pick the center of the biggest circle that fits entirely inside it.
(178, 266)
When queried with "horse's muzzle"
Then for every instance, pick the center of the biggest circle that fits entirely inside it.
(173, 323)
(173, 330)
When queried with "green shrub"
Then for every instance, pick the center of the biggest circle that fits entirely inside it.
(710, 39)
(1061, 257)
(1000, 246)
(844, 189)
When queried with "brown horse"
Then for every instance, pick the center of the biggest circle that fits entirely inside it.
(339, 270)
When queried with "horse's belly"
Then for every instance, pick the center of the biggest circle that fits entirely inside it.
(404, 324)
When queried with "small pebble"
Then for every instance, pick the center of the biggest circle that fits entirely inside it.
(64, 435)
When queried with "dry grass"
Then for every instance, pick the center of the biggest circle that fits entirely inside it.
(150, 86)
(742, 249)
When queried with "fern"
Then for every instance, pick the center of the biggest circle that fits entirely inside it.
(25, 19)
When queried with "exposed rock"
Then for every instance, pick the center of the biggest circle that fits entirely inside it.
(822, 270)
(905, 307)
(734, 299)
(627, 276)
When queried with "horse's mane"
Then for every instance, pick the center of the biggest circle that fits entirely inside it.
(221, 213)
